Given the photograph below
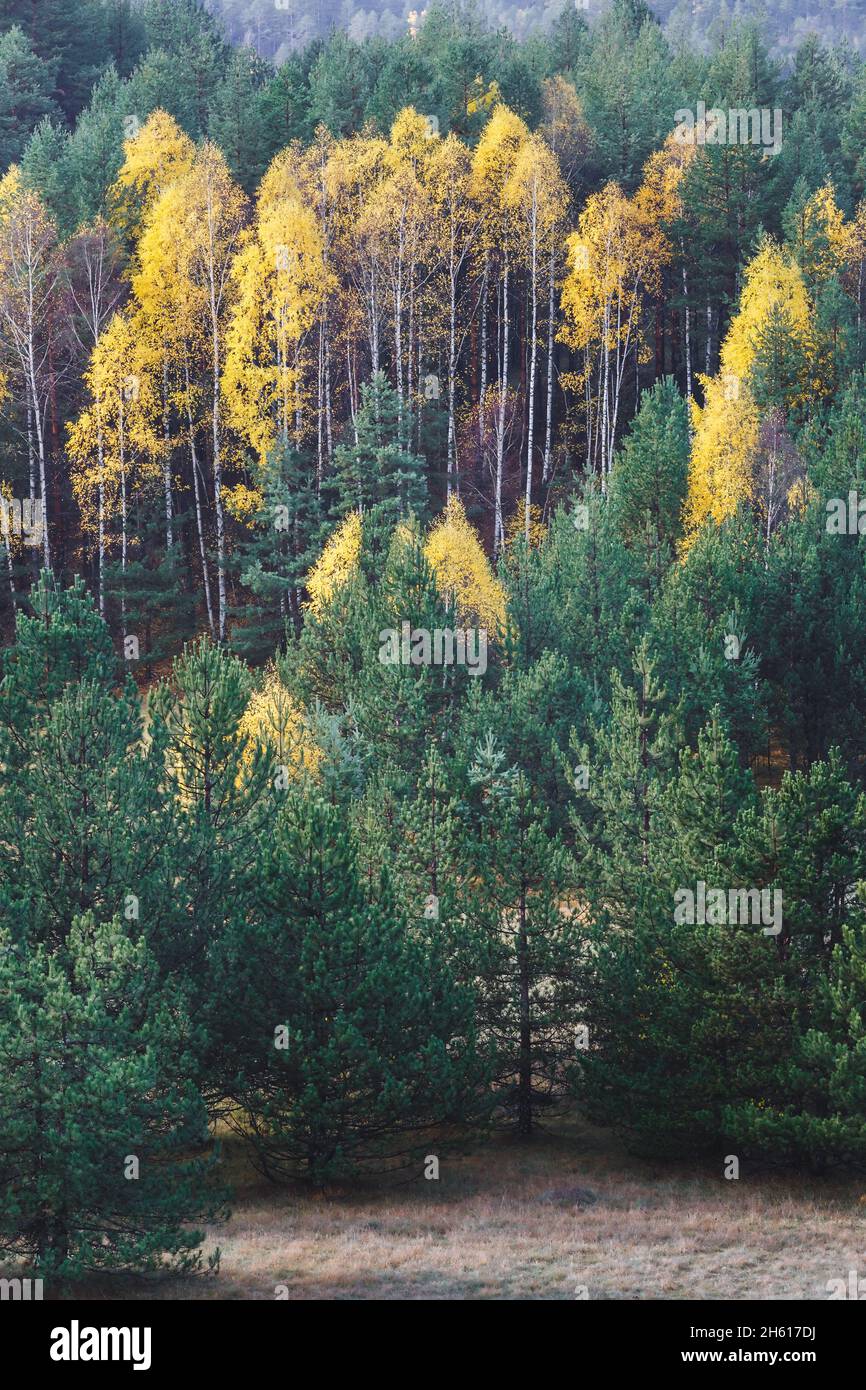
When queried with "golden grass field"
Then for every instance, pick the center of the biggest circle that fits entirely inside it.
(483, 1232)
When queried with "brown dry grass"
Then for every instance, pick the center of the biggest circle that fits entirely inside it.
(481, 1232)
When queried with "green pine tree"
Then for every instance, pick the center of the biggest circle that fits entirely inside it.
(348, 1048)
(376, 468)
(97, 1118)
(529, 946)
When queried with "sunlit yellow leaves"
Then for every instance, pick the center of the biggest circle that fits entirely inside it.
(274, 720)
(453, 551)
(494, 158)
(455, 554)
(411, 142)
(11, 190)
(726, 430)
(724, 445)
(771, 280)
(516, 527)
(337, 562)
(111, 444)
(615, 254)
(660, 194)
(242, 502)
(153, 159)
(280, 280)
(536, 193)
(483, 97)
(824, 241)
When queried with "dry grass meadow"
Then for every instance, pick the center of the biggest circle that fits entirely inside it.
(488, 1230)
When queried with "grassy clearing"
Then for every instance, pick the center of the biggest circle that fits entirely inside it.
(483, 1231)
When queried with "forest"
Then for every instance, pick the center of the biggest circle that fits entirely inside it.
(433, 680)
(275, 28)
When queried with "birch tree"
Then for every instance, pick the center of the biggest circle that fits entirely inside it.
(29, 290)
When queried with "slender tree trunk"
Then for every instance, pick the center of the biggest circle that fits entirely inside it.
(40, 453)
(452, 361)
(7, 546)
(328, 426)
(687, 331)
(100, 452)
(320, 406)
(217, 458)
(374, 321)
(548, 427)
(398, 319)
(499, 527)
(524, 1085)
(411, 345)
(166, 461)
(31, 453)
(482, 394)
(605, 399)
(353, 409)
(197, 495)
(532, 357)
(121, 448)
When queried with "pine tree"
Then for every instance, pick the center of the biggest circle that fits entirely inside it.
(275, 556)
(152, 588)
(710, 633)
(97, 1118)
(88, 825)
(806, 1104)
(45, 169)
(26, 86)
(328, 1080)
(427, 841)
(70, 38)
(223, 786)
(680, 1012)
(618, 791)
(235, 120)
(529, 946)
(379, 472)
(648, 484)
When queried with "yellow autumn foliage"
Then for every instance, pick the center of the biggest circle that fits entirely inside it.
(725, 437)
(242, 502)
(273, 719)
(453, 551)
(724, 446)
(337, 562)
(824, 238)
(772, 281)
(456, 557)
(516, 527)
(158, 154)
(279, 279)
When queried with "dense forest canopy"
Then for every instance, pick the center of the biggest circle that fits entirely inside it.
(469, 212)
(432, 589)
(277, 27)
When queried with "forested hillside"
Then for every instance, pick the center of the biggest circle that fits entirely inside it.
(277, 27)
(434, 604)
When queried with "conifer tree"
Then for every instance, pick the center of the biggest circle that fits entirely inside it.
(528, 946)
(648, 485)
(377, 470)
(221, 784)
(274, 558)
(88, 826)
(680, 1011)
(330, 1082)
(97, 1114)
